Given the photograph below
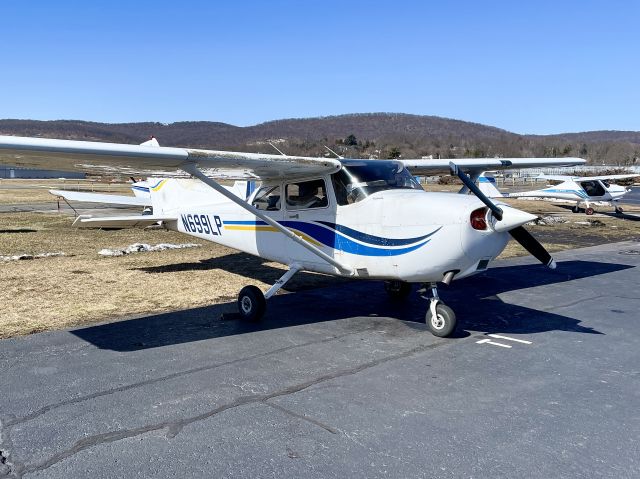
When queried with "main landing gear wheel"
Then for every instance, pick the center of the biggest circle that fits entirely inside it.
(397, 289)
(589, 211)
(444, 322)
(251, 303)
(575, 209)
(619, 210)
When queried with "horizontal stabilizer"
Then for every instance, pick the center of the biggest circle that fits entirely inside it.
(100, 198)
(88, 221)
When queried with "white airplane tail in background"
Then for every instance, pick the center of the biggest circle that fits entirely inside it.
(487, 184)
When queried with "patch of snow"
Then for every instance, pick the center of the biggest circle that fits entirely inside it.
(548, 220)
(143, 248)
(21, 257)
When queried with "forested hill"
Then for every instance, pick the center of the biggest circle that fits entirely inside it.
(379, 135)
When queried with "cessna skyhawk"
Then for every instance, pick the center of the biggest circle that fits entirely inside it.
(362, 219)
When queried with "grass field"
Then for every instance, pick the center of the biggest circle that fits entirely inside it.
(84, 287)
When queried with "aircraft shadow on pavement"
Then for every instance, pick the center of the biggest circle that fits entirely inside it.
(474, 299)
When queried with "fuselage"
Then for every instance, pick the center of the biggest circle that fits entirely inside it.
(381, 228)
(579, 191)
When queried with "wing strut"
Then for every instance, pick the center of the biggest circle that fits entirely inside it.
(192, 169)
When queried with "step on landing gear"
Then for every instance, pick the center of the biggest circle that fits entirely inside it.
(252, 304)
(440, 318)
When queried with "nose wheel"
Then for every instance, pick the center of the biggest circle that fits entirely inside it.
(440, 318)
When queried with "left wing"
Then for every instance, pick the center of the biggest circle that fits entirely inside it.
(477, 165)
(100, 198)
(136, 160)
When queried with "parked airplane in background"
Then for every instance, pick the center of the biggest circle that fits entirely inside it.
(362, 219)
(583, 190)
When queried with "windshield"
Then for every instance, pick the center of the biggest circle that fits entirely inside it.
(359, 179)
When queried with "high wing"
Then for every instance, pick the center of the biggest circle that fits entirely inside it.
(132, 160)
(586, 178)
(135, 160)
(477, 165)
(100, 198)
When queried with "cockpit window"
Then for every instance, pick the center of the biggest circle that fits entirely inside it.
(267, 198)
(306, 194)
(359, 179)
(593, 188)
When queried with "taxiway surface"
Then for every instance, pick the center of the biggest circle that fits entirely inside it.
(541, 380)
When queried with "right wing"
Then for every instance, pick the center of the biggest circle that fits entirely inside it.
(100, 198)
(477, 165)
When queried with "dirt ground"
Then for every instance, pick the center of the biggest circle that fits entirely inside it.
(84, 287)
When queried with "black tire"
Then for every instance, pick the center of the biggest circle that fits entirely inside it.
(251, 303)
(575, 209)
(397, 289)
(619, 210)
(589, 211)
(445, 323)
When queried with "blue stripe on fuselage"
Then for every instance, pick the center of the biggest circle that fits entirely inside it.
(337, 240)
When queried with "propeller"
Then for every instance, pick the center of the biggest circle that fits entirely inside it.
(520, 234)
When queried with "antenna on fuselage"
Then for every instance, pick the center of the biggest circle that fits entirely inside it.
(337, 156)
(276, 148)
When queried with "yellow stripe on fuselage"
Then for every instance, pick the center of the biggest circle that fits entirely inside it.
(305, 237)
(159, 185)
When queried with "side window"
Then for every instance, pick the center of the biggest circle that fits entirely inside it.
(340, 182)
(593, 188)
(268, 198)
(306, 194)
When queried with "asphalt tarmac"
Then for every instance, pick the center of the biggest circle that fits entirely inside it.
(542, 379)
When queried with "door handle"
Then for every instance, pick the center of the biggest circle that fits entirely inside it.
(294, 216)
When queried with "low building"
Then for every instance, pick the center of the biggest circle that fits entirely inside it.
(18, 172)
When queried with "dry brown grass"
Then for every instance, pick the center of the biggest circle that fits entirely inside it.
(83, 287)
(37, 191)
(53, 293)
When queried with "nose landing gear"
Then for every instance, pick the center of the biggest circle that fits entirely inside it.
(440, 318)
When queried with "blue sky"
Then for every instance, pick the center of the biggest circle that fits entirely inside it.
(529, 67)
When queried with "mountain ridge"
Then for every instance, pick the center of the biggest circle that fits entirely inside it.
(356, 134)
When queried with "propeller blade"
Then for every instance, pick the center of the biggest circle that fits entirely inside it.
(533, 246)
(495, 210)
(519, 234)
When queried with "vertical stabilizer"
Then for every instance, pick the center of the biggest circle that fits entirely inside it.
(487, 184)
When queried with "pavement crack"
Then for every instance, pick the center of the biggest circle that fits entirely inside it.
(209, 367)
(175, 427)
(304, 417)
(8, 468)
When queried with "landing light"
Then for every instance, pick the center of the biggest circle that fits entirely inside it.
(479, 219)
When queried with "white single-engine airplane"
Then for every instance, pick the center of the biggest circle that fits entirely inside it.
(363, 219)
(587, 190)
